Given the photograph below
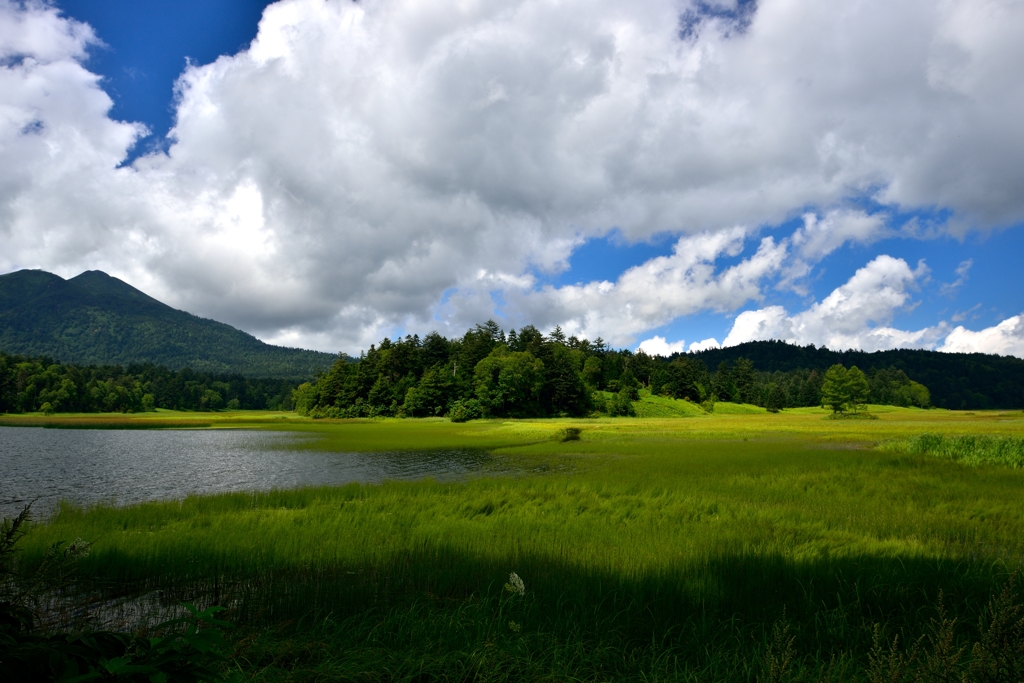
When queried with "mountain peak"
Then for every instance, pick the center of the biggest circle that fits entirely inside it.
(94, 318)
(97, 284)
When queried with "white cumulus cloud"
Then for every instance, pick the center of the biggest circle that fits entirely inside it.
(855, 315)
(820, 236)
(655, 292)
(705, 344)
(1006, 339)
(659, 346)
(368, 165)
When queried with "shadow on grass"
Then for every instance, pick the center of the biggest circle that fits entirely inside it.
(717, 615)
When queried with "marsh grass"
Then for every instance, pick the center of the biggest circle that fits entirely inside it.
(105, 422)
(731, 547)
(1007, 451)
(159, 419)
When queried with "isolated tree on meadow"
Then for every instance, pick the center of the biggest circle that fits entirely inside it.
(835, 389)
(843, 389)
(859, 391)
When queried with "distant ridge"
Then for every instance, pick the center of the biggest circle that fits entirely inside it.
(96, 319)
(956, 380)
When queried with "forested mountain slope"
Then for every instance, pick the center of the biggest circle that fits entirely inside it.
(956, 380)
(96, 319)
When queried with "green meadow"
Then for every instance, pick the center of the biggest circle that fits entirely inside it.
(736, 546)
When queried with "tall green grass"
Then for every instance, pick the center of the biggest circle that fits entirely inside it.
(969, 449)
(650, 550)
(663, 562)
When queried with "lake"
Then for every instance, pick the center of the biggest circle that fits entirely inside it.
(88, 466)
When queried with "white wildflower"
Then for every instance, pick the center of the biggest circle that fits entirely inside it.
(79, 548)
(515, 585)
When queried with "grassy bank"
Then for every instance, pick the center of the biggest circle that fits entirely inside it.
(650, 549)
(157, 419)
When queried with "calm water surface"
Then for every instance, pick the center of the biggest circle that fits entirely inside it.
(87, 466)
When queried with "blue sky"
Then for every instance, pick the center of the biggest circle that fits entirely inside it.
(147, 45)
(733, 171)
(984, 296)
(987, 295)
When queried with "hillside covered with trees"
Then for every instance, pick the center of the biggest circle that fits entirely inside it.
(527, 374)
(42, 385)
(959, 381)
(95, 319)
(487, 373)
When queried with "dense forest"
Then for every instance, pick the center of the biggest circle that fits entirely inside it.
(487, 373)
(526, 374)
(43, 385)
(959, 381)
(96, 319)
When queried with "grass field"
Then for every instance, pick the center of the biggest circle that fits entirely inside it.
(738, 546)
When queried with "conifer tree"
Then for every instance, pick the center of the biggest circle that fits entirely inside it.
(857, 386)
(835, 389)
(776, 399)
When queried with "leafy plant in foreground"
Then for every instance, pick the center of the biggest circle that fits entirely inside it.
(937, 656)
(188, 650)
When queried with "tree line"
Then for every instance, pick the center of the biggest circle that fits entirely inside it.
(487, 373)
(484, 373)
(848, 390)
(43, 385)
(958, 381)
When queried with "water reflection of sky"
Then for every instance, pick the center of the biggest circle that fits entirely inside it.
(87, 466)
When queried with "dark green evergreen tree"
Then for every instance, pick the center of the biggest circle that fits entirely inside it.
(723, 385)
(835, 389)
(857, 386)
(776, 398)
(744, 381)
